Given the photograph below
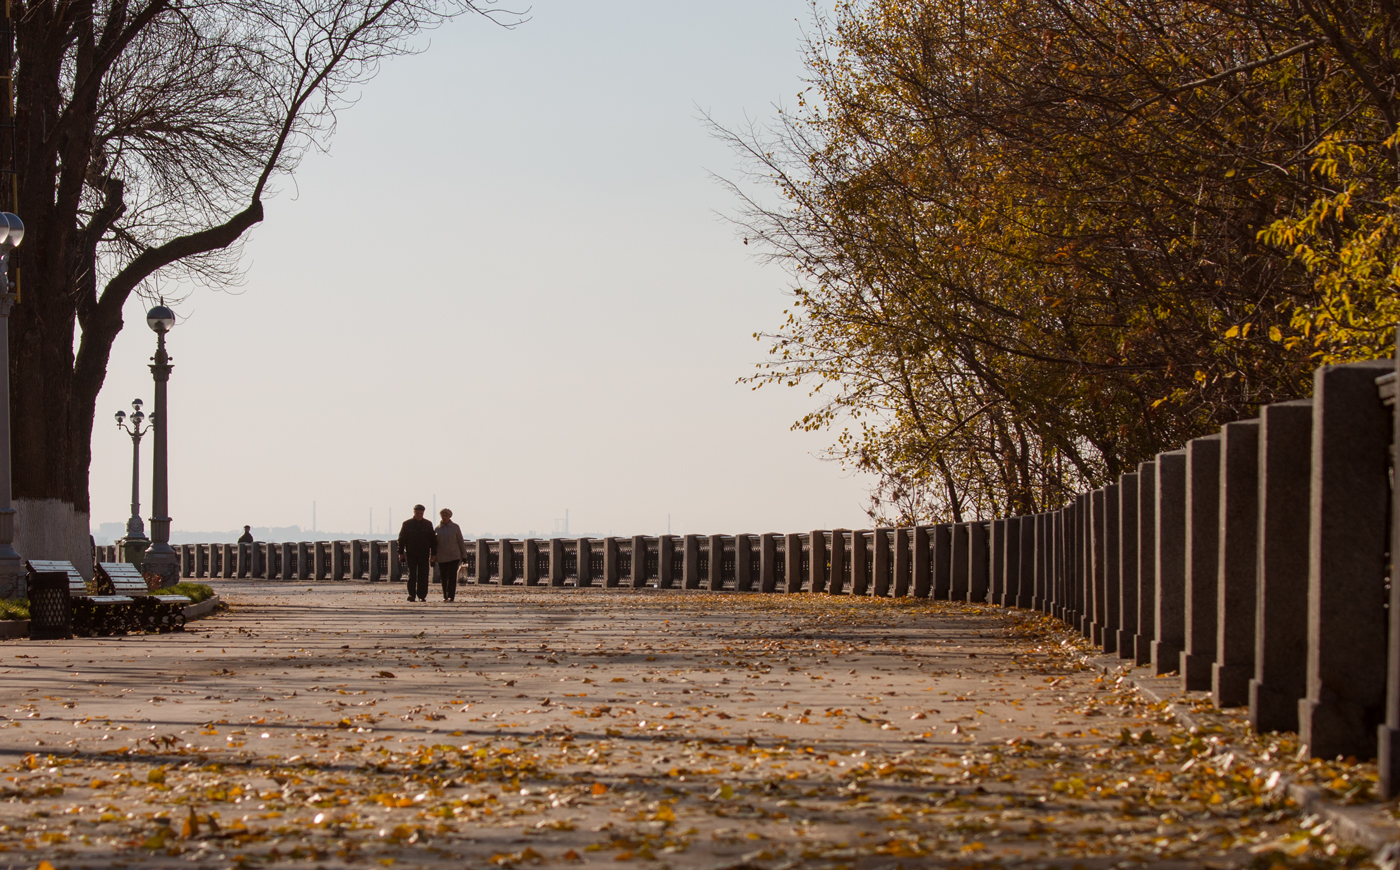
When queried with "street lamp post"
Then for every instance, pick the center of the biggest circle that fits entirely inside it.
(161, 559)
(135, 544)
(11, 569)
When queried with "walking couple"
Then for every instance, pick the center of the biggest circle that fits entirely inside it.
(421, 545)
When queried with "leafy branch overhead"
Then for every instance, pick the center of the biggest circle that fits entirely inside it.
(1038, 242)
(149, 135)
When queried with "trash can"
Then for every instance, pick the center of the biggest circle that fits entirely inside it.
(50, 608)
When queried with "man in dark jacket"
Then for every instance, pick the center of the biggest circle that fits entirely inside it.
(247, 536)
(417, 544)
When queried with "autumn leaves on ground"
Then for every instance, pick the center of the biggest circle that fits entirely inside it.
(342, 726)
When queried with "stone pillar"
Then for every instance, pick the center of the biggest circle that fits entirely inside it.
(958, 572)
(612, 570)
(640, 551)
(1098, 586)
(923, 568)
(714, 564)
(1113, 574)
(903, 570)
(816, 561)
(241, 566)
(1038, 563)
(507, 561)
(977, 562)
(1169, 609)
(997, 545)
(339, 550)
(1202, 560)
(1083, 562)
(1011, 576)
(1348, 635)
(665, 562)
(396, 568)
(836, 585)
(483, 562)
(531, 561)
(743, 563)
(860, 557)
(1280, 657)
(1025, 581)
(1090, 566)
(941, 546)
(201, 565)
(585, 561)
(556, 562)
(768, 562)
(1146, 562)
(1128, 565)
(321, 561)
(690, 562)
(1069, 613)
(1237, 561)
(880, 560)
(792, 563)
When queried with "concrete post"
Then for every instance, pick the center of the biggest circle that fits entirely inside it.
(1128, 565)
(640, 551)
(339, 550)
(612, 569)
(483, 561)
(1348, 534)
(505, 561)
(1011, 578)
(903, 570)
(556, 562)
(321, 560)
(923, 564)
(860, 557)
(997, 545)
(243, 562)
(768, 562)
(530, 561)
(958, 556)
(1146, 562)
(816, 561)
(1388, 749)
(792, 563)
(1202, 560)
(1098, 592)
(585, 562)
(941, 548)
(1071, 554)
(1169, 609)
(1237, 561)
(1113, 573)
(1083, 561)
(881, 563)
(1026, 563)
(396, 568)
(714, 566)
(838, 562)
(977, 581)
(665, 562)
(1039, 569)
(690, 562)
(743, 563)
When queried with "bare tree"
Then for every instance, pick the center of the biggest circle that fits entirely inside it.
(149, 135)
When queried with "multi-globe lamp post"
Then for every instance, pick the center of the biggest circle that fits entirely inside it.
(11, 570)
(161, 560)
(135, 543)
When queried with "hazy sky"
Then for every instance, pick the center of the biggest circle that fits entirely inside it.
(508, 286)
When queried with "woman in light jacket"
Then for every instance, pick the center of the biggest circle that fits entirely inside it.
(451, 550)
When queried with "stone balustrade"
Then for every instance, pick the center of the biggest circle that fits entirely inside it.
(1252, 564)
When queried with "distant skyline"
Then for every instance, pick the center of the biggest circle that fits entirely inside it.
(508, 283)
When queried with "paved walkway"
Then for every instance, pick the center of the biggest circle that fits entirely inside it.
(340, 725)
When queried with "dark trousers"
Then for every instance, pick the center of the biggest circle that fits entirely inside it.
(418, 576)
(447, 574)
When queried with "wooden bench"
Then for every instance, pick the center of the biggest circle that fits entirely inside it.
(153, 612)
(101, 615)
